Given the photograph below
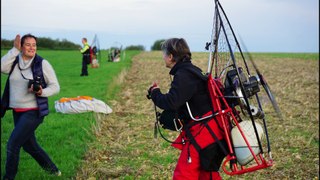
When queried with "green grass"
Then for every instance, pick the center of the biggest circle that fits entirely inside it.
(65, 136)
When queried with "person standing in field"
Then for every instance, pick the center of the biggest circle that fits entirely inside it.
(189, 85)
(85, 51)
(31, 80)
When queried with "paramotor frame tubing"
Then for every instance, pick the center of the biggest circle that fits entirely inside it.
(210, 59)
(96, 42)
(265, 127)
(261, 163)
(241, 86)
(243, 170)
(216, 104)
(213, 43)
(247, 69)
(238, 74)
(198, 119)
(235, 38)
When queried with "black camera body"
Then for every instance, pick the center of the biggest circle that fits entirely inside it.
(36, 82)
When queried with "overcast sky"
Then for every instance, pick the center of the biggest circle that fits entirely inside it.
(264, 25)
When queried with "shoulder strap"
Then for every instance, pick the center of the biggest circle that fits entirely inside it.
(192, 139)
(14, 64)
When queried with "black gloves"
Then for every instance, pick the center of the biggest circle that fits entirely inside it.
(150, 90)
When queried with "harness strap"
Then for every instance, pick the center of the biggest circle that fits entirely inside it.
(216, 139)
(197, 146)
(193, 142)
(192, 139)
(14, 64)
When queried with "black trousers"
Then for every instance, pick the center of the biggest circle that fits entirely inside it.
(84, 70)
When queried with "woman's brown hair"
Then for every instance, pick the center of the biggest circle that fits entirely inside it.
(178, 47)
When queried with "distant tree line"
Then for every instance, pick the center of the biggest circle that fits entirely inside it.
(157, 45)
(45, 43)
(48, 43)
(135, 47)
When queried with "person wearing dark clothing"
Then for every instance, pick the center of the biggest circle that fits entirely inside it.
(189, 86)
(85, 51)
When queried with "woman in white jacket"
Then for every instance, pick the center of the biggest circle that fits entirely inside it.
(28, 100)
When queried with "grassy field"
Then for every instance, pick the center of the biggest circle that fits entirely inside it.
(65, 137)
(121, 145)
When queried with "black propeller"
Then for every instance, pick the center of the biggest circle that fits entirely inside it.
(264, 83)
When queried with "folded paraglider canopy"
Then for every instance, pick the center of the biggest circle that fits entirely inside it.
(81, 104)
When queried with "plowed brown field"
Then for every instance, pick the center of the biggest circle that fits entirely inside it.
(126, 149)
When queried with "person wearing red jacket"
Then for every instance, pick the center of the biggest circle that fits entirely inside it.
(189, 85)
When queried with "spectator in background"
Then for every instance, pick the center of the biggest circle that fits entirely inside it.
(85, 51)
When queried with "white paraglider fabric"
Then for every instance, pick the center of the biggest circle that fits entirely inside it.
(81, 104)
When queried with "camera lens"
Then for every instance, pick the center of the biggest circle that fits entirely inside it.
(36, 87)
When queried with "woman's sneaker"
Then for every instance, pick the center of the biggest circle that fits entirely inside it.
(58, 173)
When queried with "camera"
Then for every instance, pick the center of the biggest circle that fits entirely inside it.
(36, 82)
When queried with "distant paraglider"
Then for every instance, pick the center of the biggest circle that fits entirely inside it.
(95, 52)
(115, 51)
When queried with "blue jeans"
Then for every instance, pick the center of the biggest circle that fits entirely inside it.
(23, 135)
